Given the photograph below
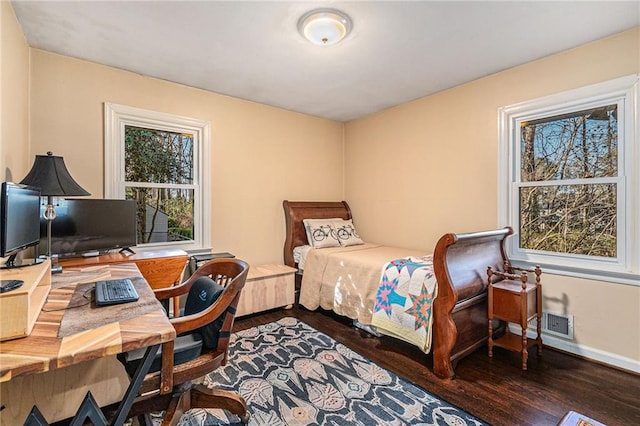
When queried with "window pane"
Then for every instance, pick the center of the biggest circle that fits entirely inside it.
(576, 219)
(158, 156)
(163, 214)
(583, 144)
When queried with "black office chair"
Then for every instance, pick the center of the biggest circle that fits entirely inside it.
(200, 348)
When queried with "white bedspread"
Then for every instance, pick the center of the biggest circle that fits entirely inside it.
(346, 279)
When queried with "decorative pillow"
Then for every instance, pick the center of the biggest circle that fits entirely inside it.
(346, 233)
(309, 222)
(322, 235)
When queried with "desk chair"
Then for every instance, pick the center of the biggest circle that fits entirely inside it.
(200, 348)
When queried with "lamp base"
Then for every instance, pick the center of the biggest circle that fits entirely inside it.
(55, 268)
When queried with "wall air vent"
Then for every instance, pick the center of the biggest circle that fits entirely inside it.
(556, 324)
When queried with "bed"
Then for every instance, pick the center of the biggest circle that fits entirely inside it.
(460, 261)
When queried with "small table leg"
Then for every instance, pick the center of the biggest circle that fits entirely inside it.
(525, 352)
(134, 386)
(490, 341)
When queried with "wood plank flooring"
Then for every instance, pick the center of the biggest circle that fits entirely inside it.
(495, 390)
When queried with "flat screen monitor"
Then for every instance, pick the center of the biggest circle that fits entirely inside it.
(19, 212)
(90, 225)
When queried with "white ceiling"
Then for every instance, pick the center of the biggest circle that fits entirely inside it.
(397, 51)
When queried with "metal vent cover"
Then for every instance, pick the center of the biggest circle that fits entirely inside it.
(556, 324)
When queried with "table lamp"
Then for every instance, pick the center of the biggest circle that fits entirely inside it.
(50, 174)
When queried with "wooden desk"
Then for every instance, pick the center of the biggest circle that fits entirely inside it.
(43, 351)
(161, 268)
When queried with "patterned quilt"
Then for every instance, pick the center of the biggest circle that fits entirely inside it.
(404, 300)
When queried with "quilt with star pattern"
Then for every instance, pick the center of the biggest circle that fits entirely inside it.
(404, 300)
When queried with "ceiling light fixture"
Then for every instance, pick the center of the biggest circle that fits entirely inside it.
(324, 27)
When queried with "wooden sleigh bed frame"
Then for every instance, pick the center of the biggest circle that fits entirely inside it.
(460, 265)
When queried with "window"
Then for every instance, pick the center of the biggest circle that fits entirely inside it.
(157, 159)
(569, 180)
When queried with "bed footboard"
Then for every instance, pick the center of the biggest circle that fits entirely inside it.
(460, 311)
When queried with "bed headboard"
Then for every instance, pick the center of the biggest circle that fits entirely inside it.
(296, 211)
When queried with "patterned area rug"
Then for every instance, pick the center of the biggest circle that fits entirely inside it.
(291, 374)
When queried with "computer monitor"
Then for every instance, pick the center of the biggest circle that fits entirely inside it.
(19, 222)
(90, 225)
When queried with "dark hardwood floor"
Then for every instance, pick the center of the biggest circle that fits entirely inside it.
(495, 390)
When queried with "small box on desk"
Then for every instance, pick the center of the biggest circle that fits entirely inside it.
(196, 260)
(20, 308)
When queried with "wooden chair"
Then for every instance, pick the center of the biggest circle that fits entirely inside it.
(513, 299)
(208, 320)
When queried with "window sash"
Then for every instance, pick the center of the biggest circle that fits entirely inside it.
(549, 222)
(193, 157)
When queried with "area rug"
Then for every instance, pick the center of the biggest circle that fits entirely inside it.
(291, 374)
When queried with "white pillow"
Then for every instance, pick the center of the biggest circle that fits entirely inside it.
(346, 233)
(309, 222)
(322, 235)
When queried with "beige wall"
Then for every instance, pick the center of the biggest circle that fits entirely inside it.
(419, 170)
(14, 98)
(260, 155)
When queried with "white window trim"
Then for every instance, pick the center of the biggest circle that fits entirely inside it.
(626, 91)
(116, 117)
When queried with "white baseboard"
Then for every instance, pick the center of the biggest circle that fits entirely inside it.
(608, 358)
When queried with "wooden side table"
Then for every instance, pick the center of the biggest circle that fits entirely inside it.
(514, 299)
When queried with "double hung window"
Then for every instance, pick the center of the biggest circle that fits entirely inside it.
(158, 160)
(569, 180)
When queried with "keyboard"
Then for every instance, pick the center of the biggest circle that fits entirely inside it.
(112, 292)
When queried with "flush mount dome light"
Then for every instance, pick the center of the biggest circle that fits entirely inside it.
(324, 27)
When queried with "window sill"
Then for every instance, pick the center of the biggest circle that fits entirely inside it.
(190, 248)
(626, 278)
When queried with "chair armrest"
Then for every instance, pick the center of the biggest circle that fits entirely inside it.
(183, 288)
(180, 289)
(174, 291)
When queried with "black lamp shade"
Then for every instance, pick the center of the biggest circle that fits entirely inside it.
(50, 174)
